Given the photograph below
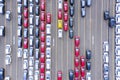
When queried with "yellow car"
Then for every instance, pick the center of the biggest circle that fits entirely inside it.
(60, 25)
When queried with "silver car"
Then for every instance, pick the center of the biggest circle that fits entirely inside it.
(19, 20)
(105, 46)
(25, 64)
(31, 30)
(105, 57)
(19, 52)
(31, 19)
(36, 64)
(8, 15)
(88, 76)
(2, 8)
(30, 71)
(48, 64)
(83, 12)
(8, 59)
(48, 52)
(31, 41)
(25, 32)
(19, 9)
(37, 20)
(19, 31)
(48, 40)
(31, 8)
(117, 7)
(117, 50)
(25, 54)
(48, 29)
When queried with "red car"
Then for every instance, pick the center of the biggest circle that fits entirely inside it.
(82, 72)
(25, 46)
(42, 16)
(76, 61)
(42, 5)
(65, 26)
(42, 76)
(25, 12)
(77, 51)
(82, 61)
(42, 58)
(25, 24)
(42, 37)
(48, 18)
(76, 72)
(42, 47)
(77, 41)
(60, 14)
(76, 78)
(66, 16)
(42, 67)
(42, 26)
(65, 6)
(59, 75)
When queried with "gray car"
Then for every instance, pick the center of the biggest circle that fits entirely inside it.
(37, 43)
(88, 54)
(37, 10)
(83, 12)
(71, 33)
(71, 74)
(37, 2)
(37, 54)
(19, 20)
(71, 21)
(31, 51)
(19, 42)
(25, 32)
(37, 32)
(71, 10)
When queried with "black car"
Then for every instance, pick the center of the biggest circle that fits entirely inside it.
(37, 43)
(31, 51)
(71, 74)
(83, 12)
(106, 15)
(71, 22)
(71, 2)
(88, 65)
(71, 10)
(2, 73)
(88, 3)
(82, 3)
(37, 32)
(37, 10)
(111, 22)
(71, 33)
(88, 54)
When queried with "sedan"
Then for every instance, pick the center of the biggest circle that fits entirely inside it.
(65, 26)
(82, 72)
(88, 65)
(71, 11)
(71, 21)
(42, 76)
(82, 61)
(42, 5)
(42, 67)
(25, 24)
(25, 12)
(82, 3)
(77, 41)
(60, 14)
(88, 54)
(76, 61)
(42, 37)
(83, 12)
(25, 46)
(42, 26)
(88, 3)
(42, 47)
(106, 15)
(59, 75)
(71, 74)
(65, 6)
(77, 51)
(42, 16)
(42, 58)
(48, 18)
(71, 33)
(76, 72)
(65, 16)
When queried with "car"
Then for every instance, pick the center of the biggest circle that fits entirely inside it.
(37, 43)
(19, 20)
(42, 47)
(82, 72)
(106, 77)
(88, 3)
(31, 61)
(25, 45)
(25, 74)
(117, 18)
(25, 3)
(117, 50)
(31, 19)
(71, 2)
(7, 49)
(83, 12)
(106, 15)
(60, 33)
(37, 2)
(36, 32)
(42, 16)
(60, 24)
(19, 31)
(31, 8)
(7, 59)
(42, 67)
(71, 74)
(37, 20)
(36, 75)
(31, 41)
(37, 54)
(19, 9)
(42, 5)
(2, 73)
(31, 30)
(77, 51)
(42, 37)
(31, 1)
(30, 71)
(37, 10)
(65, 6)
(25, 32)
(7, 78)
(82, 61)
(59, 75)
(88, 65)
(60, 4)
(77, 78)
(2, 31)
(42, 25)
(19, 52)
(2, 8)
(117, 40)
(25, 24)
(65, 26)
(18, 1)
(42, 76)
(48, 64)
(48, 20)
(48, 40)
(112, 21)
(25, 54)
(88, 76)
(105, 46)
(117, 8)
(48, 52)
(83, 3)
(30, 77)
(42, 58)
(77, 41)
(48, 75)
(105, 69)
(25, 64)
(19, 42)
(65, 16)
(25, 12)
(117, 61)
(117, 29)
(117, 1)
(71, 33)
(76, 72)
(48, 29)
(71, 11)
(60, 14)
(31, 51)
(36, 64)
(88, 54)
(105, 57)
(117, 71)
(71, 21)
(8, 15)
(2, 1)
(76, 61)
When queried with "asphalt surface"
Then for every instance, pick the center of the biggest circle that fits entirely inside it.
(92, 29)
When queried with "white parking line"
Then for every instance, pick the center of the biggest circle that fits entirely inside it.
(93, 40)
(13, 40)
(53, 42)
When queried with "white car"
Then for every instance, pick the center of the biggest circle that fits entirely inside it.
(7, 78)
(8, 15)
(105, 57)
(30, 78)
(48, 40)
(2, 8)
(117, 78)
(30, 71)
(31, 41)
(117, 40)
(105, 46)
(36, 64)
(117, 18)
(25, 53)
(117, 1)
(8, 49)
(117, 61)
(25, 64)
(7, 59)
(31, 19)
(36, 75)
(88, 76)
(19, 52)
(48, 64)
(2, 30)
(117, 71)
(31, 30)
(117, 29)
(117, 7)
(19, 9)
(60, 33)
(19, 31)
(48, 29)
(60, 4)
(48, 75)
(117, 50)
(31, 61)
(31, 8)
(48, 52)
